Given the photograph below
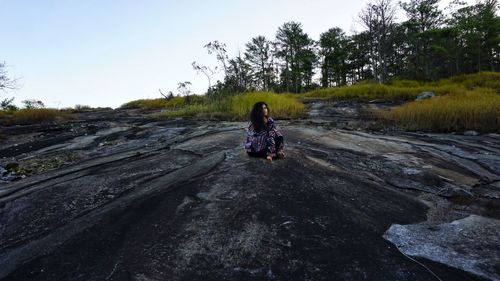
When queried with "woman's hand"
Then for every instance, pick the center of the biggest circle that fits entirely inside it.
(270, 158)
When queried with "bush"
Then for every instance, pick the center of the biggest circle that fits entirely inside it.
(81, 107)
(8, 104)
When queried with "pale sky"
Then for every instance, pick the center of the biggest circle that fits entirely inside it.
(105, 53)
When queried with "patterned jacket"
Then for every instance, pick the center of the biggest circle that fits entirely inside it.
(263, 141)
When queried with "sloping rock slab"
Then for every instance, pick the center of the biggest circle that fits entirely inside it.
(471, 244)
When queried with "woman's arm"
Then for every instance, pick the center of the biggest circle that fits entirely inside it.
(270, 124)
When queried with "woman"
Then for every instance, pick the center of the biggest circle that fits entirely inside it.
(263, 139)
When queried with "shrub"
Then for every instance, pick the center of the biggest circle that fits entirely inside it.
(81, 107)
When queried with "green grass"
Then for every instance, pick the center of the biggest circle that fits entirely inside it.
(175, 102)
(489, 80)
(31, 116)
(281, 106)
(464, 102)
(162, 103)
(464, 110)
(369, 92)
(238, 107)
(398, 90)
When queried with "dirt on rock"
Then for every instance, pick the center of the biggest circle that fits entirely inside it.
(125, 196)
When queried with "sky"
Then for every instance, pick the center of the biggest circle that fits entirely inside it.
(106, 53)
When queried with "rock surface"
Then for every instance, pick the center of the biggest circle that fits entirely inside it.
(425, 95)
(118, 195)
(471, 243)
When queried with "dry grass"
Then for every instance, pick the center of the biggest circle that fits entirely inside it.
(465, 110)
(32, 116)
(175, 102)
(162, 103)
(489, 80)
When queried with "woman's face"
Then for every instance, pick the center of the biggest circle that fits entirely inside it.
(264, 110)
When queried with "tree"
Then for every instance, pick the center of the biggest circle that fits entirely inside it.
(33, 104)
(477, 28)
(8, 104)
(333, 50)
(379, 17)
(296, 51)
(6, 83)
(358, 57)
(239, 78)
(424, 16)
(207, 71)
(259, 57)
(219, 49)
(184, 89)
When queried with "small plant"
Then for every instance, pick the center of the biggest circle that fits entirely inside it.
(8, 105)
(33, 104)
(80, 107)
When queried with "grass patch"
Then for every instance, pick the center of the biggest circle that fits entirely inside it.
(175, 102)
(31, 116)
(477, 110)
(238, 107)
(162, 103)
(281, 106)
(368, 92)
(489, 80)
(398, 90)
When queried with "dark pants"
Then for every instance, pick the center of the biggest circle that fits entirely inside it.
(278, 142)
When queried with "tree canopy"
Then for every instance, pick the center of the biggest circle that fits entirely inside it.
(429, 45)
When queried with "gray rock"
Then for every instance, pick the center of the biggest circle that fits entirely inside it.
(425, 95)
(471, 244)
(471, 133)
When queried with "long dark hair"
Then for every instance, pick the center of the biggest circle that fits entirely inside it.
(257, 116)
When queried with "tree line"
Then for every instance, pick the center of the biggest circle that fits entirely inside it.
(429, 45)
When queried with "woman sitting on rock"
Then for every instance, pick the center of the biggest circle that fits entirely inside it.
(263, 139)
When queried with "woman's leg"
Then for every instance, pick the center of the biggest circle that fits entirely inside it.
(279, 142)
